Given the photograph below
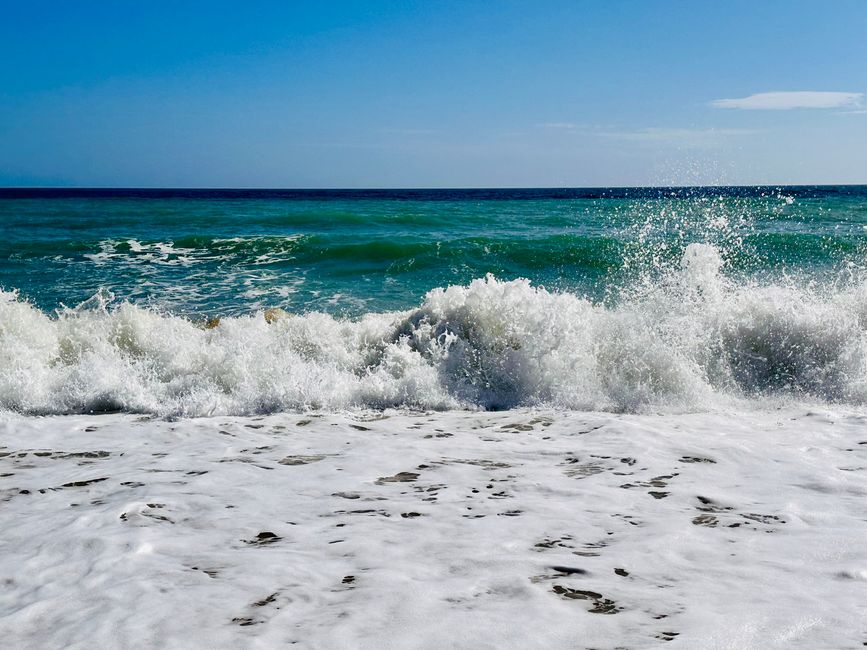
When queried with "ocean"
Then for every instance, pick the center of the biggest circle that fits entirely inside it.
(488, 419)
(589, 299)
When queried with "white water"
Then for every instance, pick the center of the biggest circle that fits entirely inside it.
(694, 341)
(436, 530)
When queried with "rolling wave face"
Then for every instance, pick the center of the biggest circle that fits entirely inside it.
(695, 339)
(350, 276)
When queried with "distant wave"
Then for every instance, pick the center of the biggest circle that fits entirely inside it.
(598, 252)
(696, 339)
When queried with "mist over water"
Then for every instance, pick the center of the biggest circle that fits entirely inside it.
(666, 300)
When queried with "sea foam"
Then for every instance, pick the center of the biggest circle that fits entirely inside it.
(696, 339)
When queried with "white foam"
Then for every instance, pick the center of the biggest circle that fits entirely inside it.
(734, 530)
(693, 340)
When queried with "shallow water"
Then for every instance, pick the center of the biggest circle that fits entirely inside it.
(435, 530)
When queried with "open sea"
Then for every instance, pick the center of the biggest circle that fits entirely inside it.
(605, 299)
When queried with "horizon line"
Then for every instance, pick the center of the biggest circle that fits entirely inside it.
(178, 188)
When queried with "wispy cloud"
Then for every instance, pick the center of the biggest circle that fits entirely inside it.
(783, 101)
(682, 137)
(393, 131)
(563, 126)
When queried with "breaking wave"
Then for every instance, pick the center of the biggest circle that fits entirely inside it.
(694, 340)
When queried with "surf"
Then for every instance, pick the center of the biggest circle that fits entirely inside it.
(695, 339)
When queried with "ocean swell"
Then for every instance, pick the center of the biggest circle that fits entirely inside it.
(695, 340)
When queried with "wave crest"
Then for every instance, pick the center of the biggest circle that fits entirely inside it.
(694, 340)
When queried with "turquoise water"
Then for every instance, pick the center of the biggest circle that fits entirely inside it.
(205, 253)
(621, 300)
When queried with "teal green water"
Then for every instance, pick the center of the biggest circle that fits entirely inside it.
(201, 253)
(609, 299)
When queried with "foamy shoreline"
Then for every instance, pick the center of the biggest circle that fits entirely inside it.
(513, 529)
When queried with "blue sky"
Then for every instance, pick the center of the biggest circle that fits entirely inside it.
(432, 94)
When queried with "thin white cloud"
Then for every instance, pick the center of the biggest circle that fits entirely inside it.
(565, 126)
(783, 101)
(659, 133)
(697, 138)
(411, 131)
